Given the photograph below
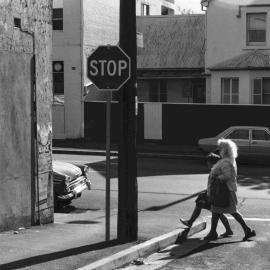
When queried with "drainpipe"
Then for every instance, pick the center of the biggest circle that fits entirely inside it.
(34, 161)
(82, 66)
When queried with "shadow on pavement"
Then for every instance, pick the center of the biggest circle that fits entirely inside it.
(193, 246)
(74, 210)
(161, 207)
(57, 255)
(82, 222)
(152, 167)
(259, 182)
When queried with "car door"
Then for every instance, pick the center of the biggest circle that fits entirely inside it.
(241, 136)
(260, 143)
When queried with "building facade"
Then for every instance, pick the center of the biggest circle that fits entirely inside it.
(237, 57)
(171, 61)
(157, 7)
(26, 190)
(78, 28)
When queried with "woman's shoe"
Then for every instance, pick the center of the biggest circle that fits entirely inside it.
(249, 233)
(227, 234)
(211, 237)
(185, 222)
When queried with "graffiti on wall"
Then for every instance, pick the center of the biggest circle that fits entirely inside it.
(44, 144)
(44, 148)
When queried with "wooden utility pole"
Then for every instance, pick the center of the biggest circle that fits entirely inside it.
(127, 228)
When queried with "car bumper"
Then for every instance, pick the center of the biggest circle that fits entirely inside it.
(76, 192)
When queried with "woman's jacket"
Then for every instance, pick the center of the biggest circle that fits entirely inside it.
(225, 170)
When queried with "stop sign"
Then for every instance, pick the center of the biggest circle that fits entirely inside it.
(108, 67)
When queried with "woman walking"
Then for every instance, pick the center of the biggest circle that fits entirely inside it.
(203, 202)
(225, 171)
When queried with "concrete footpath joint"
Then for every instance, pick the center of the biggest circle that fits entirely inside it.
(144, 249)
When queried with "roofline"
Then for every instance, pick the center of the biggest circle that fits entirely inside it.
(263, 127)
(171, 16)
(170, 69)
(243, 68)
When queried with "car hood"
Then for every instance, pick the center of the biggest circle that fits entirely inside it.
(62, 169)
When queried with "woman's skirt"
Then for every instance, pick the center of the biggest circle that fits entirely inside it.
(229, 210)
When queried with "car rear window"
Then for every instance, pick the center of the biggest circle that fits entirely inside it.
(239, 134)
(260, 135)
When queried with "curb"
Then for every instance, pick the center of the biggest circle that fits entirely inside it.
(115, 153)
(144, 249)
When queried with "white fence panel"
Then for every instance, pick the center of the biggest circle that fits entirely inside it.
(153, 121)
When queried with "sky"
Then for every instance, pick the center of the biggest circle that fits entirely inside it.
(194, 5)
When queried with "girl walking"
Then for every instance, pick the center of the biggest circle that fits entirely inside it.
(225, 171)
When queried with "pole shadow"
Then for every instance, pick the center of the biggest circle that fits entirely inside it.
(58, 255)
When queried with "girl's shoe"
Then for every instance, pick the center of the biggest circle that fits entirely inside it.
(211, 237)
(185, 222)
(226, 234)
(249, 233)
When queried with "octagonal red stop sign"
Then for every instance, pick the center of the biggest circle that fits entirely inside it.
(108, 67)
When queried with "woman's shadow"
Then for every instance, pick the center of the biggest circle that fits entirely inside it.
(185, 246)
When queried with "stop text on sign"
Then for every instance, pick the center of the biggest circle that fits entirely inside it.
(107, 67)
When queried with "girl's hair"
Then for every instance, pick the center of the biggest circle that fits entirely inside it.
(212, 158)
(229, 148)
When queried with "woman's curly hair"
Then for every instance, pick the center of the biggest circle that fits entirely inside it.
(229, 148)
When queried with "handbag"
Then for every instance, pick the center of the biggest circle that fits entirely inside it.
(203, 200)
(219, 194)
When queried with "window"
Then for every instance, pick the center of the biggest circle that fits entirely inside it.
(260, 135)
(158, 91)
(239, 134)
(17, 22)
(166, 11)
(261, 91)
(256, 29)
(230, 90)
(57, 19)
(58, 78)
(145, 10)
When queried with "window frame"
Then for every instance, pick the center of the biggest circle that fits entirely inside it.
(57, 20)
(261, 91)
(231, 94)
(158, 91)
(255, 43)
(145, 9)
(263, 130)
(237, 129)
(55, 72)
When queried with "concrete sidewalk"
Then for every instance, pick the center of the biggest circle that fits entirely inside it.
(72, 244)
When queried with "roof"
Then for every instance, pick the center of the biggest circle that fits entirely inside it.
(259, 127)
(171, 41)
(250, 60)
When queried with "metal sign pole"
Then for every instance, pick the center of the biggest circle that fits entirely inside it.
(108, 149)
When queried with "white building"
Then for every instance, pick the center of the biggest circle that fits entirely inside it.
(157, 7)
(238, 51)
(79, 27)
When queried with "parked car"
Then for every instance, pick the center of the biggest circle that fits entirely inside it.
(252, 141)
(69, 181)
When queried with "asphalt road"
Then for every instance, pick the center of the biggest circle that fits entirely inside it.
(165, 186)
